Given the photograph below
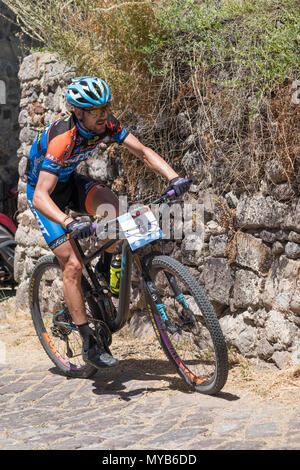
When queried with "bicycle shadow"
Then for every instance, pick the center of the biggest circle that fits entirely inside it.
(135, 377)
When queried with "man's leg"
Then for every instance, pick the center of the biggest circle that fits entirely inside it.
(102, 202)
(69, 259)
(70, 262)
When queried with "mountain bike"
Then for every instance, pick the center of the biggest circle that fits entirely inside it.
(184, 321)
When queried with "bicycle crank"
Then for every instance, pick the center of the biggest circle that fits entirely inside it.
(103, 334)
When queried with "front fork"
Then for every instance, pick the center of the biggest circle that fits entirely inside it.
(157, 301)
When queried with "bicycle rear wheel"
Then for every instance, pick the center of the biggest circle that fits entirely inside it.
(52, 320)
(187, 326)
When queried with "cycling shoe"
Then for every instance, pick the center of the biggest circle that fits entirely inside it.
(98, 357)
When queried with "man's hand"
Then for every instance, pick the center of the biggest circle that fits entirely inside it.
(80, 229)
(180, 185)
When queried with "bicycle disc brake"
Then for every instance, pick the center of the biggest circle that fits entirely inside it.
(188, 320)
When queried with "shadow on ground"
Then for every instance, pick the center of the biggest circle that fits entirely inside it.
(133, 377)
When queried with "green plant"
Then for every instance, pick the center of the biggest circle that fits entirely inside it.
(258, 41)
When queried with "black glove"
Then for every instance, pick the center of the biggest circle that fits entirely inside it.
(80, 229)
(180, 185)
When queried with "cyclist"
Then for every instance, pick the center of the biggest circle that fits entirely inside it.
(53, 185)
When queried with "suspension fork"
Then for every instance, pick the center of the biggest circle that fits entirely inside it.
(179, 295)
(187, 317)
(153, 294)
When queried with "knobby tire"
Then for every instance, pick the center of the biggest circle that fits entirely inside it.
(42, 319)
(202, 342)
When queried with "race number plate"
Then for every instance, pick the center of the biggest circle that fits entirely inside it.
(140, 230)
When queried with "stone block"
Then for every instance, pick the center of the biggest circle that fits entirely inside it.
(193, 249)
(34, 66)
(259, 212)
(295, 303)
(277, 248)
(275, 171)
(294, 237)
(218, 280)
(279, 330)
(237, 333)
(217, 245)
(282, 359)
(283, 192)
(231, 200)
(264, 349)
(292, 250)
(253, 253)
(209, 200)
(30, 237)
(267, 236)
(246, 290)
(21, 298)
(282, 279)
(28, 135)
(140, 325)
(291, 221)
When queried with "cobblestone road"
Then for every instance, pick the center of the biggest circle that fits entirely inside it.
(126, 408)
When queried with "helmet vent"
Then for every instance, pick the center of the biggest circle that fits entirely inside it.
(81, 100)
(90, 94)
(98, 90)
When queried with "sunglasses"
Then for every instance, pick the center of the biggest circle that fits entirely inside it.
(98, 112)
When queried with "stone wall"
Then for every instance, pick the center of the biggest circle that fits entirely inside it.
(13, 46)
(9, 96)
(250, 270)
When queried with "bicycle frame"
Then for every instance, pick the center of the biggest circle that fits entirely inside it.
(126, 268)
(153, 299)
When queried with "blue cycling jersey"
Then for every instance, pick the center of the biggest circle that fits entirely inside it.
(61, 146)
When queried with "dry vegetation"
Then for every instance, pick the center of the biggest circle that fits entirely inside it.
(228, 65)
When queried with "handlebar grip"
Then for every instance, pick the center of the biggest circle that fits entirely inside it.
(171, 193)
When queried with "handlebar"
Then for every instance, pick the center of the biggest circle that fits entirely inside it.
(163, 198)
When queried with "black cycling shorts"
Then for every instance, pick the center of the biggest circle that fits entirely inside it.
(74, 194)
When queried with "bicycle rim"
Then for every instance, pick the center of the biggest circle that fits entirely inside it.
(52, 320)
(188, 328)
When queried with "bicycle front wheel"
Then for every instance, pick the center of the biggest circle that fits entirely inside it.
(187, 326)
(52, 320)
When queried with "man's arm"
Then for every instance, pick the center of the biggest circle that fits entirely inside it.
(149, 157)
(43, 202)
